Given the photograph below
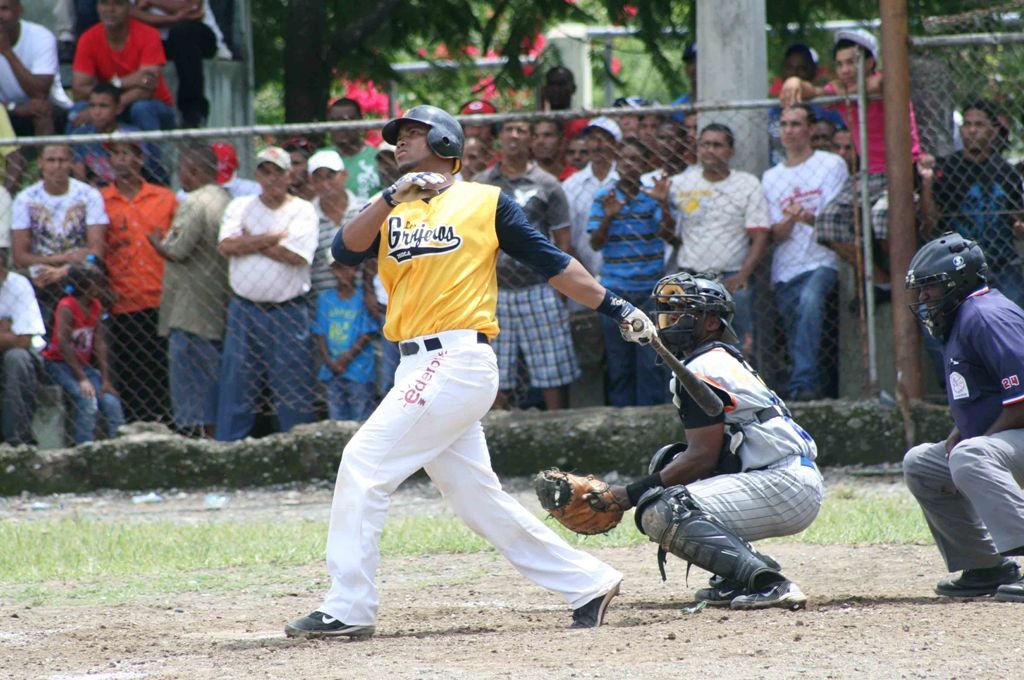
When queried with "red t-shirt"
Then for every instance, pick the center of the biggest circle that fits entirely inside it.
(94, 57)
(83, 330)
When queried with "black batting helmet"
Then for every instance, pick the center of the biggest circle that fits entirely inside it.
(445, 137)
(954, 263)
(682, 301)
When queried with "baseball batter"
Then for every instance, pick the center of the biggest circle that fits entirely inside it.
(746, 474)
(437, 242)
(969, 486)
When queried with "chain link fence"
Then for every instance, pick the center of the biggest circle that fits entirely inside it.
(222, 313)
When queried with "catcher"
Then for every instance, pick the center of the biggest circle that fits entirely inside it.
(744, 475)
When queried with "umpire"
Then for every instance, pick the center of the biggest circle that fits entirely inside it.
(969, 485)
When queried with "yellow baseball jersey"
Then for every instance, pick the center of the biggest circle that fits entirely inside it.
(438, 262)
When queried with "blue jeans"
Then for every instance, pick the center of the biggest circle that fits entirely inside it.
(146, 114)
(634, 376)
(86, 409)
(268, 343)
(350, 400)
(194, 364)
(801, 302)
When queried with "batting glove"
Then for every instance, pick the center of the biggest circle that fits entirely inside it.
(413, 186)
(637, 327)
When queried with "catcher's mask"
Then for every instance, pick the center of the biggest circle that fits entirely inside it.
(953, 267)
(682, 303)
(445, 137)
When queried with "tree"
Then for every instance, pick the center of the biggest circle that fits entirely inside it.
(307, 43)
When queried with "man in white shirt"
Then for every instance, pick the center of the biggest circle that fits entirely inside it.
(270, 241)
(603, 137)
(55, 223)
(722, 222)
(803, 271)
(30, 87)
(21, 331)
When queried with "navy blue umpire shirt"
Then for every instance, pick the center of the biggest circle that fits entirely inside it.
(984, 358)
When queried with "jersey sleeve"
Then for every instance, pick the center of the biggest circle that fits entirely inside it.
(997, 343)
(518, 238)
(352, 257)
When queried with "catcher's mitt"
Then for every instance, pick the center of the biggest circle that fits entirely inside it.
(562, 495)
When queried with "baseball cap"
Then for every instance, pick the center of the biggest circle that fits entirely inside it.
(326, 158)
(227, 161)
(606, 124)
(860, 37)
(275, 155)
(478, 106)
(802, 48)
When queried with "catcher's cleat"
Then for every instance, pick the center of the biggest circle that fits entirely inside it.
(321, 625)
(785, 594)
(719, 593)
(591, 615)
(979, 582)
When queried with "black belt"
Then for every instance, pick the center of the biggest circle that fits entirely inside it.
(433, 344)
(270, 306)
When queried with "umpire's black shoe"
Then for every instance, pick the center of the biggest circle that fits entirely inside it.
(321, 625)
(979, 582)
(591, 615)
(719, 593)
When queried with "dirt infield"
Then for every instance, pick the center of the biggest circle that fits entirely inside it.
(871, 614)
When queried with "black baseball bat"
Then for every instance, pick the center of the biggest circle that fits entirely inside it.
(694, 386)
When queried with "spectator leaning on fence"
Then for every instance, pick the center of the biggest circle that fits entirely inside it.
(299, 150)
(626, 225)
(577, 153)
(56, 222)
(359, 157)
(128, 54)
(477, 157)
(21, 330)
(335, 205)
(270, 241)
(603, 137)
(977, 193)
(30, 86)
(344, 330)
(195, 292)
(78, 337)
(533, 318)
(137, 209)
(803, 271)
(722, 222)
(835, 222)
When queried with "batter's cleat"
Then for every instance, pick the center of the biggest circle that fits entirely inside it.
(719, 593)
(979, 582)
(1011, 592)
(321, 625)
(785, 594)
(591, 615)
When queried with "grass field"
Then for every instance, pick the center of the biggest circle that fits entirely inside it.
(101, 560)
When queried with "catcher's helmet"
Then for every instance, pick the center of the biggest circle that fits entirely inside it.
(682, 301)
(955, 264)
(445, 137)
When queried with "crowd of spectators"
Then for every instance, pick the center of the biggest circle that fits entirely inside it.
(221, 304)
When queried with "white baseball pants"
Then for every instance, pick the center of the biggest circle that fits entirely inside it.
(431, 419)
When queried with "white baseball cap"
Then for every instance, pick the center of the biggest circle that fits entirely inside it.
(860, 37)
(326, 158)
(606, 124)
(275, 155)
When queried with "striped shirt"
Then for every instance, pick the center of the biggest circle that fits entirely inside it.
(634, 253)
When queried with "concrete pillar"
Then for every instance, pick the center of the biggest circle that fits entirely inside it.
(732, 63)
(573, 47)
